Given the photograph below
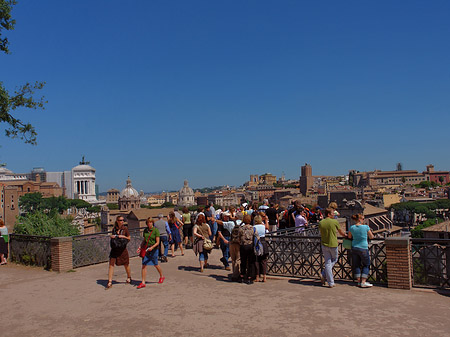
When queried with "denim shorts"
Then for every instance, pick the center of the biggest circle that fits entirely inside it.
(151, 258)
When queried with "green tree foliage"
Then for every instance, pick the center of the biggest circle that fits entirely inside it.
(31, 202)
(423, 207)
(427, 184)
(42, 224)
(6, 22)
(113, 206)
(23, 95)
(417, 232)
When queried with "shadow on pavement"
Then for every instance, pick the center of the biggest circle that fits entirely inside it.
(222, 278)
(188, 268)
(313, 283)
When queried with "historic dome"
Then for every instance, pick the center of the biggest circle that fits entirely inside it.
(186, 190)
(129, 191)
(83, 168)
(186, 195)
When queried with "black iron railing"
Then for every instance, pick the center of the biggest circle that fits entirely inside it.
(95, 248)
(431, 262)
(301, 256)
(311, 230)
(30, 250)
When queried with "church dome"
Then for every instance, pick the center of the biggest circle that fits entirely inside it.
(186, 190)
(129, 191)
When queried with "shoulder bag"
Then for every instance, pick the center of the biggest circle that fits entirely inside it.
(257, 245)
(118, 243)
(144, 246)
(207, 243)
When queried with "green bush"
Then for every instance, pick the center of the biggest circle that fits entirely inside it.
(41, 224)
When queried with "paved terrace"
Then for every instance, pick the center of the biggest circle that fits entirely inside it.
(189, 303)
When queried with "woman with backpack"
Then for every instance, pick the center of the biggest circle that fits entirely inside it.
(201, 232)
(247, 253)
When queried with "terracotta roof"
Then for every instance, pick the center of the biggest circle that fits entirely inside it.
(440, 227)
(371, 210)
(144, 213)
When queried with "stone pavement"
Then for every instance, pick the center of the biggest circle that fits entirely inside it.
(189, 303)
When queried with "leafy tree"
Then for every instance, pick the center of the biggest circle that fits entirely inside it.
(30, 202)
(94, 209)
(167, 204)
(55, 204)
(113, 206)
(427, 184)
(79, 203)
(23, 95)
(39, 223)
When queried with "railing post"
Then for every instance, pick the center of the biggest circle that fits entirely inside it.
(61, 250)
(398, 260)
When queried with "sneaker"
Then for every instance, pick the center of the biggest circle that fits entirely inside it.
(141, 285)
(331, 285)
(366, 285)
(161, 279)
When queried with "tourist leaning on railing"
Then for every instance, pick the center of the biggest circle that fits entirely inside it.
(360, 250)
(261, 261)
(328, 228)
(4, 239)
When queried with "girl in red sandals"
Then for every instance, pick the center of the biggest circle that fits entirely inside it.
(150, 244)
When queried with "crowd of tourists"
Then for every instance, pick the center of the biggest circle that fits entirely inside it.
(240, 234)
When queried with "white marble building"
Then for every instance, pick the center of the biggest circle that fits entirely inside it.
(78, 183)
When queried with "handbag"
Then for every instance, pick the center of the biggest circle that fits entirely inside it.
(347, 243)
(118, 243)
(144, 247)
(257, 245)
(207, 244)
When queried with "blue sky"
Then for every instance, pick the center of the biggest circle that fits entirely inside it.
(213, 91)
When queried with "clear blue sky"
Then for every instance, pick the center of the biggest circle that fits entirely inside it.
(212, 91)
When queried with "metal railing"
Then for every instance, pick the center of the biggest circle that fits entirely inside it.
(311, 230)
(301, 256)
(430, 262)
(30, 250)
(95, 248)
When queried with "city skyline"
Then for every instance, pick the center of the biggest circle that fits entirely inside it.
(214, 92)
